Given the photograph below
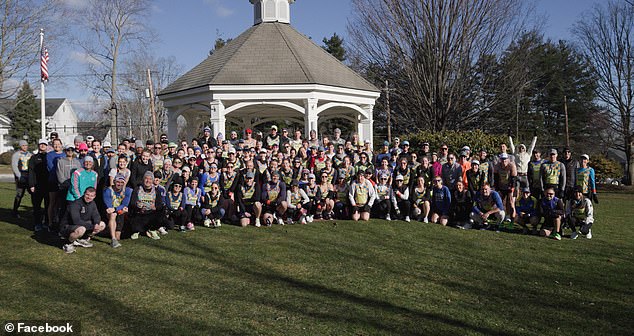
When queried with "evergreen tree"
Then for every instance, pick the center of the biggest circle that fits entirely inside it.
(334, 46)
(24, 116)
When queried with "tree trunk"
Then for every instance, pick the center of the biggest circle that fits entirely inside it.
(629, 164)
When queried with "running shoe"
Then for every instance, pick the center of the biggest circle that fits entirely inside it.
(82, 243)
(68, 248)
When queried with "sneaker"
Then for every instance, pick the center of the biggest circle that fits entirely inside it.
(82, 243)
(162, 230)
(388, 218)
(302, 220)
(289, 221)
(425, 220)
(183, 228)
(38, 228)
(574, 235)
(257, 222)
(217, 223)
(467, 226)
(556, 236)
(280, 221)
(407, 219)
(134, 236)
(68, 248)
(190, 227)
(589, 235)
(310, 219)
(207, 222)
(154, 235)
(268, 222)
(115, 243)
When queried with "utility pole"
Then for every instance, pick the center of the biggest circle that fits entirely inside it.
(566, 114)
(388, 111)
(152, 110)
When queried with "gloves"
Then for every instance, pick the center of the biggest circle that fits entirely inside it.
(535, 132)
(509, 131)
(398, 211)
(594, 198)
(268, 202)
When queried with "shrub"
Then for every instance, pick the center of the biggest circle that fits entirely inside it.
(476, 140)
(605, 168)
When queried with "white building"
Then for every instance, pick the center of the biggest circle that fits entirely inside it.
(60, 118)
(270, 72)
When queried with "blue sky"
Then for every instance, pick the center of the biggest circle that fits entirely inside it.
(188, 28)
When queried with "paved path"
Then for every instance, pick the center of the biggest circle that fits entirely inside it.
(6, 178)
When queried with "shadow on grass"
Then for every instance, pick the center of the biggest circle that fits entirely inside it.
(116, 315)
(382, 314)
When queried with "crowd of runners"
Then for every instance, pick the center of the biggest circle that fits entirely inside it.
(149, 188)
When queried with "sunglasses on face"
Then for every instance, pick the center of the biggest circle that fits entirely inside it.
(178, 186)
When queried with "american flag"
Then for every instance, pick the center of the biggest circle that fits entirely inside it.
(44, 64)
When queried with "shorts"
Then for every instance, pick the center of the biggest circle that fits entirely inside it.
(504, 193)
(66, 230)
(364, 208)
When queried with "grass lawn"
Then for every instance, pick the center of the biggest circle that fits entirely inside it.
(326, 279)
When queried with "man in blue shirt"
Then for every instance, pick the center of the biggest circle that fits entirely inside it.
(488, 204)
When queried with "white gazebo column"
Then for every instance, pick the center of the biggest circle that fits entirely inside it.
(366, 124)
(172, 125)
(218, 118)
(310, 116)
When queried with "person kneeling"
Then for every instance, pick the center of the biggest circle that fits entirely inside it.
(526, 211)
(551, 209)
(488, 204)
(212, 210)
(248, 199)
(298, 202)
(81, 221)
(580, 212)
(116, 199)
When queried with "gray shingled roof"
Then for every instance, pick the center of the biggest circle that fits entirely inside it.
(52, 105)
(268, 54)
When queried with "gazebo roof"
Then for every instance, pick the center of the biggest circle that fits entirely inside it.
(270, 53)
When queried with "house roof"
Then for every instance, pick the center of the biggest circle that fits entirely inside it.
(51, 104)
(270, 54)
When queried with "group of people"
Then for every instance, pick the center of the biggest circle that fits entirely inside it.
(149, 188)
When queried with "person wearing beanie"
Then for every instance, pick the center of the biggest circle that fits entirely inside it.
(20, 166)
(146, 208)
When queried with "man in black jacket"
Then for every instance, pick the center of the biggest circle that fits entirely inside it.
(81, 221)
(38, 177)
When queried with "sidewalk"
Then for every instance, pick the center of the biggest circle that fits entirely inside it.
(6, 177)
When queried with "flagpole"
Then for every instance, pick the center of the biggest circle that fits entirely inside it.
(42, 93)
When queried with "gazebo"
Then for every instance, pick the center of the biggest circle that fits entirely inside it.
(270, 72)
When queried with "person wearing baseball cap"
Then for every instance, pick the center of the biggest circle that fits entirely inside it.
(273, 138)
(20, 166)
(553, 174)
(65, 168)
(505, 176)
(526, 211)
(571, 164)
(362, 197)
(38, 183)
(116, 199)
(81, 179)
(475, 179)
(585, 179)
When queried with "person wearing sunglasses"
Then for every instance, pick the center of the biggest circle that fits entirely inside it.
(440, 202)
(212, 210)
(175, 205)
(551, 209)
(526, 211)
(553, 174)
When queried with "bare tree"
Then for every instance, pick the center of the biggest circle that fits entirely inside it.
(20, 24)
(115, 29)
(164, 71)
(436, 45)
(606, 35)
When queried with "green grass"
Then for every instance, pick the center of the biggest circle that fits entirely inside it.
(325, 279)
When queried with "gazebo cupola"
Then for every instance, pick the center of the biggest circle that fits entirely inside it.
(271, 11)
